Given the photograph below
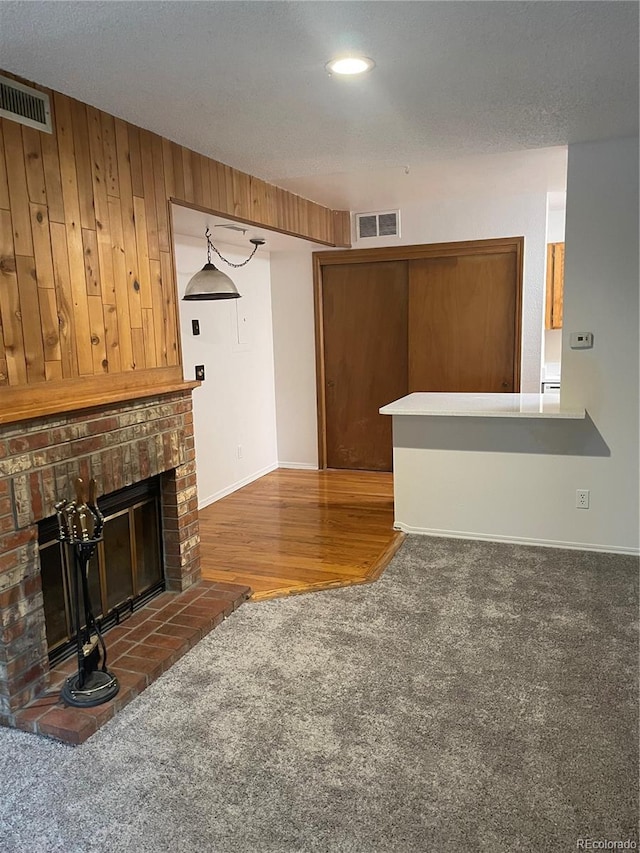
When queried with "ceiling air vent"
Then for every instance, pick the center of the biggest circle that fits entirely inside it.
(384, 224)
(24, 105)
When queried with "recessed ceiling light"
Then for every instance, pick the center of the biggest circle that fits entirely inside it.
(350, 65)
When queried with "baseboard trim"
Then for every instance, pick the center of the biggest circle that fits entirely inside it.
(203, 502)
(515, 540)
(302, 466)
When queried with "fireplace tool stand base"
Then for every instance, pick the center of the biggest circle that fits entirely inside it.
(99, 687)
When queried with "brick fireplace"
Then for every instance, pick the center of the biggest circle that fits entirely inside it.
(117, 444)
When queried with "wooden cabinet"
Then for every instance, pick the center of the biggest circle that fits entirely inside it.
(555, 285)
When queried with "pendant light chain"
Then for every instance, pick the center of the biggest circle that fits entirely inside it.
(210, 246)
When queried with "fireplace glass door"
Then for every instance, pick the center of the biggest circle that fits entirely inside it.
(125, 571)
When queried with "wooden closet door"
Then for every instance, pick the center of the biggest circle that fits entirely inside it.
(364, 315)
(464, 323)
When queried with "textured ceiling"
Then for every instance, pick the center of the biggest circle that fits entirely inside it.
(244, 82)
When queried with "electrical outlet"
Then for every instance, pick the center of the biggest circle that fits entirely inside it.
(582, 498)
(200, 372)
(239, 451)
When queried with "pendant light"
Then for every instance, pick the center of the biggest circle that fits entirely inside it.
(212, 283)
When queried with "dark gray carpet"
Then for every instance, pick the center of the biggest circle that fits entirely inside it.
(479, 697)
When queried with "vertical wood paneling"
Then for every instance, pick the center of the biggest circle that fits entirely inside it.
(217, 201)
(177, 187)
(83, 164)
(4, 187)
(100, 203)
(135, 160)
(53, 370)
(146, 155)
(272, 208)
(110, 155)
(120, 286)
(30, 307)
(46, 284)
(137, 338)
(10, 305)
(128, 228)
(160, 176)
(282, 220)
(140, 221)
(207, 199)
(229, 202)
(64, 300)
(87, 280)
(241, 194)
(169, 161)
(51, 165)
(258, 198)
(33, 164)
(91, 262)
(187, 174)
(42, 244)
(196, 169)
(341, 227)
(149, 331)
(50, 328)
(554, 286)
(75, 249)
(18, 193)
(263, 201)
(96, 321)
(160, 341)
(169, 303)
(111, 339)
(4, 376)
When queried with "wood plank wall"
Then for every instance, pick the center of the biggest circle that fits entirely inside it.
(87, 284)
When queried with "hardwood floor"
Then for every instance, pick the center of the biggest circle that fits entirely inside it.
(298, 531)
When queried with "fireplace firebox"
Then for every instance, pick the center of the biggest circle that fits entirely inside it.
(125, 571)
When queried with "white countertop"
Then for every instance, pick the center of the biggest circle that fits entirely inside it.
(481, 405)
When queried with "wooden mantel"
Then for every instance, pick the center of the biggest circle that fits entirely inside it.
(87, 277)
(57, 397)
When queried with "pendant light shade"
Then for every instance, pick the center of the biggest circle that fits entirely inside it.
(210, 283)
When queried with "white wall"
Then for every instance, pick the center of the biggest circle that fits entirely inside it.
(475, 218)
(553, 346)
(235, 406)
(500, 479)
(556, 224)
(294, 358)
(601, 296)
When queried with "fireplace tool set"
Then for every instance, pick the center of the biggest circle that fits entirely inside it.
(80, 524)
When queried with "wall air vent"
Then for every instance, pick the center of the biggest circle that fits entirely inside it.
(384, 224)
(25, 105)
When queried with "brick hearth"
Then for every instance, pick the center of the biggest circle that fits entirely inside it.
(139, 650)
(118, 444)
